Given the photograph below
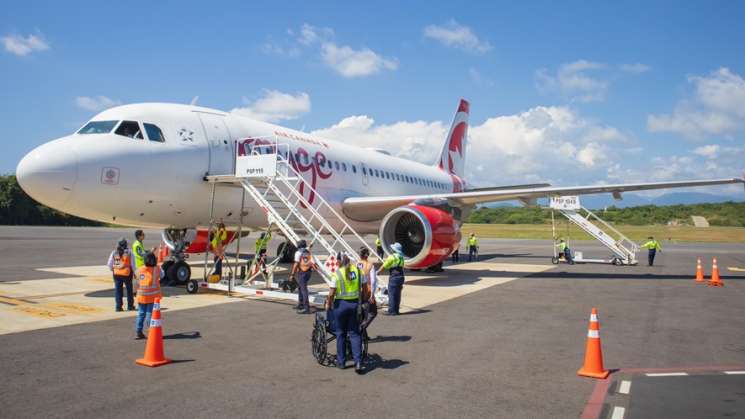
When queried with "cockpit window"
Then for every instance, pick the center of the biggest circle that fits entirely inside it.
(154, 133)
(98, 127)
(130, 129)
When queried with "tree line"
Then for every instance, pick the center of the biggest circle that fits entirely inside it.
(730, 214)
(17, 208)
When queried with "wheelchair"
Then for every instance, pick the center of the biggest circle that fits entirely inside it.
(323, 335)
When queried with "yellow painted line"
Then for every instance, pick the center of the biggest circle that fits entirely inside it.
(75, 308)
(736, 269)
(37, 312)
(14, 301)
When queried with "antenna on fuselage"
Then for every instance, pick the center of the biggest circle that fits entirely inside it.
(194, 101)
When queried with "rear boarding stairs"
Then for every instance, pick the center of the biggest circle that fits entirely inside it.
(266, 174)
(623, 249)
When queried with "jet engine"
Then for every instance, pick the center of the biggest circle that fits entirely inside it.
(428, 235)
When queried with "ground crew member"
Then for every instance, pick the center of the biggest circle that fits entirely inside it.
(565, 251)
(138, 249)
(379, 247)
(395, 264)
(218, 241)
(653, 246)
(473, 247)
(301, 272)
(455, 256)
(262, 244)
(345, 292)
(122, 265)
(148, 278)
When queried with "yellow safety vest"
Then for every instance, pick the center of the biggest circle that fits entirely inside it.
(473, 241)
(348, 284)
(219, 238)
(139, 254)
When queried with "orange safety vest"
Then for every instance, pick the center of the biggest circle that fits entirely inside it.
(122, 265)
(306, 262)
(149, 284)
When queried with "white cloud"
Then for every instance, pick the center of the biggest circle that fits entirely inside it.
(20, 45)
(709, 151)
(717, 107)
(355, 63)
(575, 81)
(636, 68)
(455, 35)
(275, 106)
(311, 34)
(96, 103)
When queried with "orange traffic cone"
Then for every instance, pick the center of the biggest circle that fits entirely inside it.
(154, 356)
(593, 353)
(715, 281)
(699, 272)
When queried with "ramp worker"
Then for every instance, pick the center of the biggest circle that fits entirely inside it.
(302, 270)
(473, 247)
(455, 256)
(262, 244)
(218, 242)
(379, 247)
(564, 251)
(148, 278)
(138, 249)
(653, 246)
(395, 264)
(122, 265)
(347, 289)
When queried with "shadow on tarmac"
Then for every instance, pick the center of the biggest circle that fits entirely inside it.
(184, 335)
(375, 361)
(379, 339)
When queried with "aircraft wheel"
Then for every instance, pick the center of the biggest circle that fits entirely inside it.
(166, 266)
(555, 260)
(192, 286)
(179, 272)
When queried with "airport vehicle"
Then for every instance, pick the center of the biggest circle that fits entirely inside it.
(152, 165)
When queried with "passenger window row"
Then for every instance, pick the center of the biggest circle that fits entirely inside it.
(398, 177)
(129, 129)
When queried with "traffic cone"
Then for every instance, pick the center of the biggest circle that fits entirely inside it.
(715, 281)
(593, 366)
(699, 272)
(154, 356)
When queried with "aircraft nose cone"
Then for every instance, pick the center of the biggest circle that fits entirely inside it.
(49, 172)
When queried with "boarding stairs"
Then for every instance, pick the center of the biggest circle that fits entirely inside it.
(268, 176)
(624, 249)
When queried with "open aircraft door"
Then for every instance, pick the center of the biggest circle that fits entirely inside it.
(220, 144)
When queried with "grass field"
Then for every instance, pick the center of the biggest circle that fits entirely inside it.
(635, 233)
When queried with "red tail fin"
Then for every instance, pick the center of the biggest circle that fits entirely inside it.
(453, 156)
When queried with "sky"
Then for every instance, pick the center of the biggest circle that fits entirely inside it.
(564, 92)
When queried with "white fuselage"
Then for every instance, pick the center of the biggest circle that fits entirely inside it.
(117, 179)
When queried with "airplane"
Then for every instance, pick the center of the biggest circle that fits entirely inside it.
(147, 164)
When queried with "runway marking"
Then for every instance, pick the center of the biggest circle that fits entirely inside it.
(618, 412)
(13, 301)
(734, 372)
(46, 314)
(625, 387)
(666, 374)
(77, 308)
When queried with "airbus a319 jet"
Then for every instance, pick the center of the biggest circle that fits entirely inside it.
(147, 165)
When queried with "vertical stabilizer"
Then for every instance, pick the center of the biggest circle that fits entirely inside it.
(453, 156)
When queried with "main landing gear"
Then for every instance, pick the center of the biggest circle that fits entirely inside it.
(177, 271)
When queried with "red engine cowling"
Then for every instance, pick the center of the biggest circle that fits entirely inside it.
(200, 243)
(428, 235)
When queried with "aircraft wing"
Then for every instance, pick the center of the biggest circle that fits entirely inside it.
(375, 208)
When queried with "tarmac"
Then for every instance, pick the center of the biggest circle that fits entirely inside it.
(501, 337)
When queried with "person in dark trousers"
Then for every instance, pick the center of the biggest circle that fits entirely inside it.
(122, 265)
(379, 248)
(653, 246)
(473, 247)
(302, 270)
(348, 287)
(395, 264)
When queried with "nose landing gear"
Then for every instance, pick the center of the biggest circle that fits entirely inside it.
(177, 271)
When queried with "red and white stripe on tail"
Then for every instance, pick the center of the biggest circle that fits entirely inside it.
(453, 156)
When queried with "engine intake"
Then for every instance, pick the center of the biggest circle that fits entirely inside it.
(427, 235)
